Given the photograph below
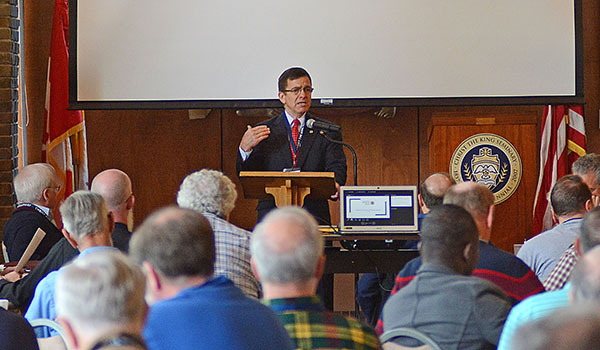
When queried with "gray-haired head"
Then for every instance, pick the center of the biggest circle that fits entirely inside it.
(569, 328)
(84, 213)
(286, 246)
(585, 279)
(32, 180)
(473, 197)
(114, 186)
(588, 167)
(207, 191)
(101, 290)
(590, 230)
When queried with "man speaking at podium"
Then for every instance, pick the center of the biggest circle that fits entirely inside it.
(287, 143)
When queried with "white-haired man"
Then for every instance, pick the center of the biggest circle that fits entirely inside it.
(287, 257)
(100, 302)
(115, 187)
(36, 188)
(87, 227)
(213, 194)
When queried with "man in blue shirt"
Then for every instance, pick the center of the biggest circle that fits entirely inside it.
(189, 307)
(87, 227)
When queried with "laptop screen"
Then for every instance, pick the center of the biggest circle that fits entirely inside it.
(378, 209)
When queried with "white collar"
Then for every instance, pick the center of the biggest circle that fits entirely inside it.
(290, 119)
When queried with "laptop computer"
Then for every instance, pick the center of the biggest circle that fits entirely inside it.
(378, 209)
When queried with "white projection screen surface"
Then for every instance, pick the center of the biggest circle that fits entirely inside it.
(133, 53)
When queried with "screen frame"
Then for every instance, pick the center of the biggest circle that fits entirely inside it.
(577, 98)
(349, 229)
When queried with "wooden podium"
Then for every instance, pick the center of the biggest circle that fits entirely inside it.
(513, 218)
(288, 188)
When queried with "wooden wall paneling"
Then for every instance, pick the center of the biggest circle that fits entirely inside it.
(513, 217)
(156, 148)
(386, 149)
(234, 126)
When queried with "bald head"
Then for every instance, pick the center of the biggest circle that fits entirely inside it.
(114, 186)
(286, 246)
(434, 187)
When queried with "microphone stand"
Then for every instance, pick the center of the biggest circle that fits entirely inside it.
(354, 159)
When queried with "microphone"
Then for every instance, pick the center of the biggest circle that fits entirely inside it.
(314, 124)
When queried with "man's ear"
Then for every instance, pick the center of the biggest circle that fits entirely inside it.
(130, 202)
(577, 247)
(421, 203)
(320, 268)
(554, 217)
(281, 97)
(69, 238)
(467, 251)
(111, 222)
(490, 216)
(152, 277)
(69, 333)
(254, 269)
(589, 205)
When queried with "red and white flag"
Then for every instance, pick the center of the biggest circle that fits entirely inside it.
(562, 143)
(64, 140)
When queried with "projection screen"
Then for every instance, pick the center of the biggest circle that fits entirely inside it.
(209, 54)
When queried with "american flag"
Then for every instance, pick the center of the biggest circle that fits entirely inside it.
(562, 143)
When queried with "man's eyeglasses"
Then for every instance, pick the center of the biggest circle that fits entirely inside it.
(296, 90)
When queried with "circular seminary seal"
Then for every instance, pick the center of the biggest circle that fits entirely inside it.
(490, 160)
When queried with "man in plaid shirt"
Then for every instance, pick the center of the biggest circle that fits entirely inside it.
(589, 237)
(287, 257)
(213, 194)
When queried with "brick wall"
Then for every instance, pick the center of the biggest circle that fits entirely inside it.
(9, 68)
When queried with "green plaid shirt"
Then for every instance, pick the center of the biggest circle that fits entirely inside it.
(312, 327)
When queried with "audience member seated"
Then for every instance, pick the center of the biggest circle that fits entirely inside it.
(566, 329)
(584, 286)
(36, 188)
(191, 309)
(585, 297)
(589, 237)
(588, 168)
(115, 187)
(456, 310)
(373, 290)
(87, 227)
(570, 200)
(288, 259)
(100, 302)
(213, 194)
(15, 332)
(505, 270)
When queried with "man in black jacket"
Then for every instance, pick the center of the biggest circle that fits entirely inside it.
(36, 188)
(285, 142)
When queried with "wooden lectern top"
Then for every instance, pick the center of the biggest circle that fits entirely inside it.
(321, 185)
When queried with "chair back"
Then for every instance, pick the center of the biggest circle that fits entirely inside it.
(52, 343)
(388, 337)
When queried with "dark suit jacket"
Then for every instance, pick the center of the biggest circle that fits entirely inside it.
(15, 332)
(315, 154)
(120, 237)
(20, 292)
(19, 231)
